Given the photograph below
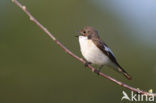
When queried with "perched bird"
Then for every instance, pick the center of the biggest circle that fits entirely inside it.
(95, 51)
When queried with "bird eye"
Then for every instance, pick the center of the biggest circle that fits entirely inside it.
(84, 32)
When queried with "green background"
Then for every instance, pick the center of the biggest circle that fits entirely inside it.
(33, 69)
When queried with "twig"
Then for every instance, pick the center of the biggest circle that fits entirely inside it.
(75, 56)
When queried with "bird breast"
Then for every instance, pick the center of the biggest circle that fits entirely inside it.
(91, 52)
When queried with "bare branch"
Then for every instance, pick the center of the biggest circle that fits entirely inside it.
(75, 56)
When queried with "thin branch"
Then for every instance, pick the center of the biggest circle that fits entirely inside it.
(33, 19)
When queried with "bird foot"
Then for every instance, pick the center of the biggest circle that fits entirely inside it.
(87, 63)
(97, 71)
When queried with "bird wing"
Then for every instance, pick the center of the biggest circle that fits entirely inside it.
(106, 50)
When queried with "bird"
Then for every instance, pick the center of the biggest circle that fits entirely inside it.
(96, 52)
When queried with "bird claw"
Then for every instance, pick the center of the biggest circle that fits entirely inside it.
(97, 71)
(87, 63)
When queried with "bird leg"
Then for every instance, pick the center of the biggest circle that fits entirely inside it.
(87, 63)
(98, 70)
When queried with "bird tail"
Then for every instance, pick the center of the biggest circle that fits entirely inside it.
(120, 69)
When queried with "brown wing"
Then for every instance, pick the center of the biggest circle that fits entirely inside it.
(105, 49)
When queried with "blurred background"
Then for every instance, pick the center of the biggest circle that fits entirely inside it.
(33, 69)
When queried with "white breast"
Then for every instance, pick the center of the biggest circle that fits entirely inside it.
(91, 52)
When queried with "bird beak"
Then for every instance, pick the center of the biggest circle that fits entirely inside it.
(78, 34)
